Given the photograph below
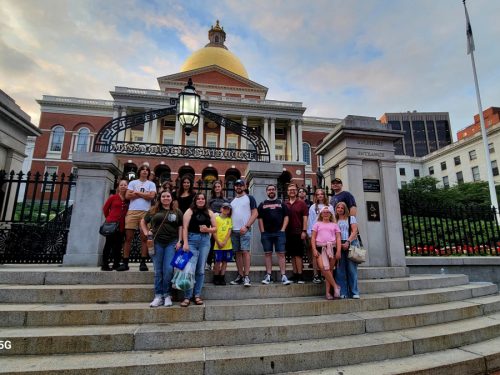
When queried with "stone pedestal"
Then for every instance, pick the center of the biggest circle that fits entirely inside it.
(96, 174)
(258, 176)
(360, 151)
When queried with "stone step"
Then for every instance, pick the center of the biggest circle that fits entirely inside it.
(475, 359)
(265, 358)
(133, 337)
(38, 314)
(144, 293)
(58, 275)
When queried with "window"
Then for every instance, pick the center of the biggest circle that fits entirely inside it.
(49, 186)
(57, 138)
(460, 177)
(416, 173)
(472, 155)
(491, 148)
(457, 161)
(475, 174)
(280, 150)
(168, 137)
(306, 149)
(443, 165)
(321, 160)
(211, 140)
(82, 141)
(431, 170)
(494, 167)
(402, 172)
(446, 182)
(232, 142)
(279, 131)
(190, 142)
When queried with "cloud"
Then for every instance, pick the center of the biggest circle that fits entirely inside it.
(338, 57)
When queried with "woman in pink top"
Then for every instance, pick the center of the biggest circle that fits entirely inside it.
(324, 241)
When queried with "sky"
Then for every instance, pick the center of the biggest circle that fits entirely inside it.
(337, 57)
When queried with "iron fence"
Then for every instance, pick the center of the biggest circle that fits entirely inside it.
(437, 230)
(35, 214)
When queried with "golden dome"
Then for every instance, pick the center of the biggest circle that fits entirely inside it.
(215, 53)
(215, 56)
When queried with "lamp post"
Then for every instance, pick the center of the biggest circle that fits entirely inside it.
(189, 108)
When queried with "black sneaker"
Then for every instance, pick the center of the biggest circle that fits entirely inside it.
(123, 267)
(317, 279)
(238, 281)
(105, 267)
(300, 279)
(293, 278)
(143, 267)
(116, 266)
(222, 280)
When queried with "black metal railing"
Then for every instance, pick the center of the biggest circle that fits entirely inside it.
(35, 214)
(436, 230)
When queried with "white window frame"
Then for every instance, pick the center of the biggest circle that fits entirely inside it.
(56, 153)
(49, 187)
(281, 155)
(308, 153)
(211, 138)
(475, 176)
(168, 137)
(77, 140)
(232, 139)
(472, 155)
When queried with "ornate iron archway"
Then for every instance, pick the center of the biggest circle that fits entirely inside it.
(107, 141)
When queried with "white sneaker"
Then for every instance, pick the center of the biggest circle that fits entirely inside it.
(158, 301)
(284, 280)
(356, 296)
(246, 281)
(267, 279)
(168, 301)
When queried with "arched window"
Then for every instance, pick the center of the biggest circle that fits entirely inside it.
(56, 139)
(306, 149)
(82, 142)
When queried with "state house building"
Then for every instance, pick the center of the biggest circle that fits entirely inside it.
(71, 124)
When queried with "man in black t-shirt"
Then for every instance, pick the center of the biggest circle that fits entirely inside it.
(273, 219)
(342, 196)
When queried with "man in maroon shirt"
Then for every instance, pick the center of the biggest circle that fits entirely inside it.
(296, 231)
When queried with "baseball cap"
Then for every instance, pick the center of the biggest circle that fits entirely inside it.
(239, 181)
(337, 180)
(226, 205)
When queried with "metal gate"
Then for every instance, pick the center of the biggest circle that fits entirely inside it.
(35, 214)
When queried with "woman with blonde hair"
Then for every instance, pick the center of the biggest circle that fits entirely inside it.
(320, 201)
(347, 271)
(325, 243)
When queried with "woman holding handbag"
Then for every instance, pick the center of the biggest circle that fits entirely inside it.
(114, 211)
(347, 270)
(325, 243)
(164, 238)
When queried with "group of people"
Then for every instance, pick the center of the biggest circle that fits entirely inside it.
(215, 230)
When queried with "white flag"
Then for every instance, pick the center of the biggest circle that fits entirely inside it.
(468, 31)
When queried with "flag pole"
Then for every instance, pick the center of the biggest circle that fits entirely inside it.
(489, 173)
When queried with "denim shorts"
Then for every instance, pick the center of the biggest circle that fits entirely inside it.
(273, 240)
(241, 242)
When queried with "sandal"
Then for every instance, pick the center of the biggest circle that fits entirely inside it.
(198, 301)
(185, 303)
(329, 297)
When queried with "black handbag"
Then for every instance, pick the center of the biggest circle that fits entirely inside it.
(108, 229)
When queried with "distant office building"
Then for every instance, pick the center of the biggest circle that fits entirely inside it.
(425, 132)
(491, 118)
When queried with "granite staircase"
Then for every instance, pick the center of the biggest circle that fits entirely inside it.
(62, 320)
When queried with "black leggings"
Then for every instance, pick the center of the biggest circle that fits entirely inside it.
(113, 248)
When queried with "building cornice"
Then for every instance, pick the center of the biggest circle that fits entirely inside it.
(15, 118)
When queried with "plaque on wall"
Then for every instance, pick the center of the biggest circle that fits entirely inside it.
(371, 185)
(373, 211)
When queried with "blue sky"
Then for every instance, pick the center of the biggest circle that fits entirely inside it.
(338, 57)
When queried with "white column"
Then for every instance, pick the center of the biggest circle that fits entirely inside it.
(123, 134)
(201, 126)
(178, 132)
(289, 144)
(294, 141)
(299, 141)
(266, 130)
(145, 132)
(154, 131)
(243, 141)
(273, 139)
(222, 137)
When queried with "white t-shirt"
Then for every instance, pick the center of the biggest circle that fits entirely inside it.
(141, 204)
(242, 210)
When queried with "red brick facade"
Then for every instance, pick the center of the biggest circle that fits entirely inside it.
(491, 118)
